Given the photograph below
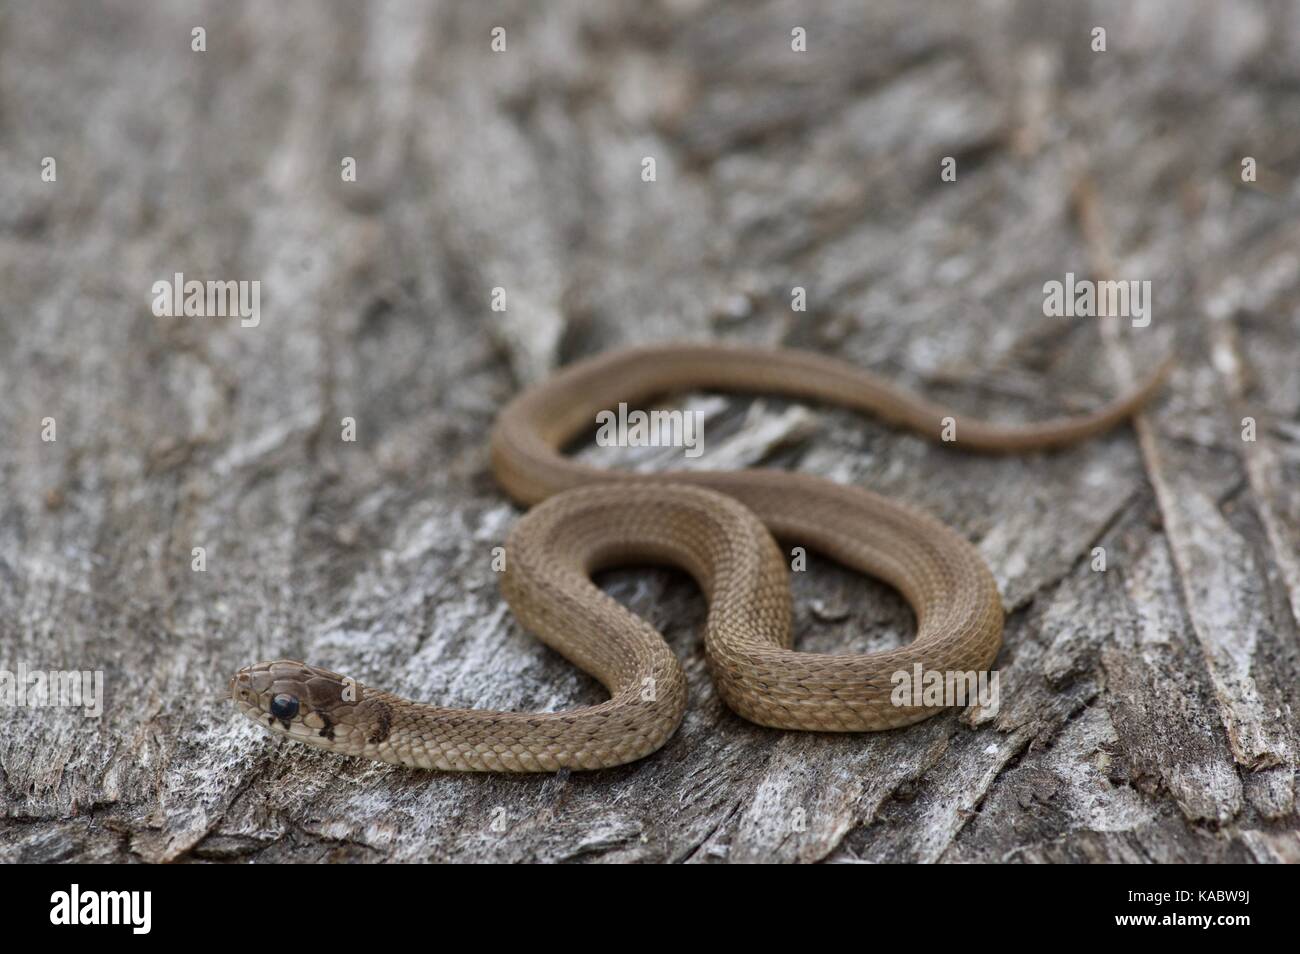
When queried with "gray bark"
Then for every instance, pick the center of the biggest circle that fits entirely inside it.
(1148, 711)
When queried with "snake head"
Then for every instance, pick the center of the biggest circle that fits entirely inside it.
(307, 703)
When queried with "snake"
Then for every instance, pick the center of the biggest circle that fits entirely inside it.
(721, 528)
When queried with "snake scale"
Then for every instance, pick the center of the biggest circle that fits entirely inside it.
(719, 526)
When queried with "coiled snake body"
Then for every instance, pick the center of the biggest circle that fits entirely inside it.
(719, 527)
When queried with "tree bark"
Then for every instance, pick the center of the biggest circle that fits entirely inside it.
(1148, 709)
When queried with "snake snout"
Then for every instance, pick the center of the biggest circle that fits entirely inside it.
(240, 688)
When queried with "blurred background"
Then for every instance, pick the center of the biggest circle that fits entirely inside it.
(1147, 710)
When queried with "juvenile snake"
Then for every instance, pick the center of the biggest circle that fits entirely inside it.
(719, 527)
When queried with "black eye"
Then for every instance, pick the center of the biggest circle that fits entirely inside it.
(284, 706)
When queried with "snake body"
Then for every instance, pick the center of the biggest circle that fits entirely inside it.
(719, 526)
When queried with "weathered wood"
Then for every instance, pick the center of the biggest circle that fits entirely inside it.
(1148, 711)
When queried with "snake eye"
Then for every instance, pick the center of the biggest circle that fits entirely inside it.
(284, 707)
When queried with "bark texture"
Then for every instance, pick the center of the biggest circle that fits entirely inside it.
(1148, 711)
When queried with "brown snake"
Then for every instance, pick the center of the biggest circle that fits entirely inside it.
(719, 527)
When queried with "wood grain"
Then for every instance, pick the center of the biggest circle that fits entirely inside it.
(1148, 711)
